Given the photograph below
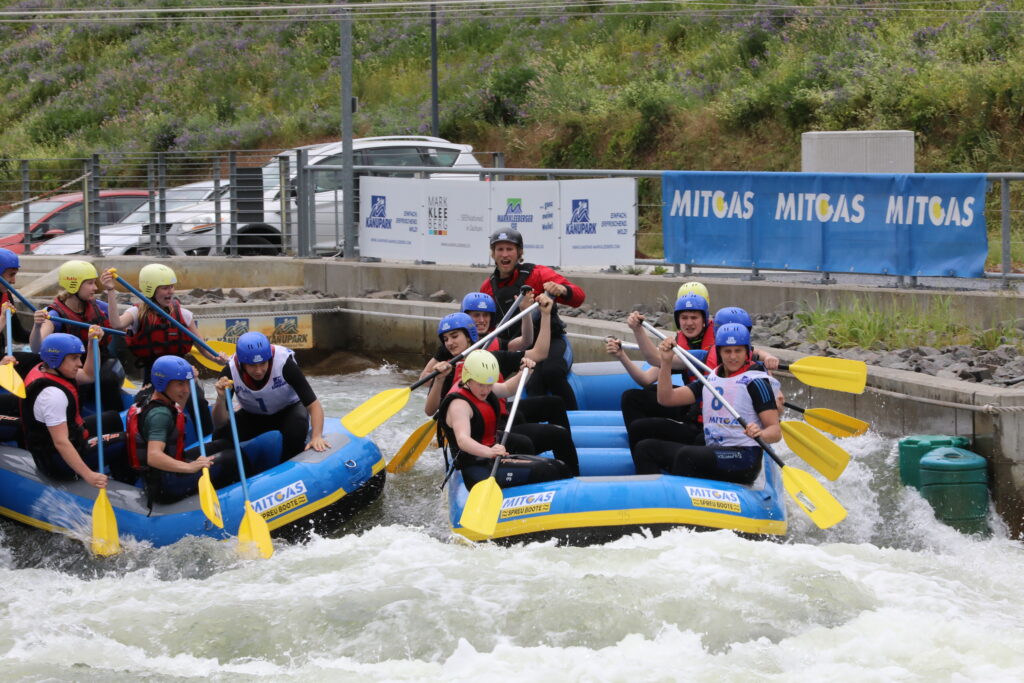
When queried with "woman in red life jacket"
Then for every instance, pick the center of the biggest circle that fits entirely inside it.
(273, 394)
(731, 452)
(149, 334)
(79, 284)
(509, 275)
(55, 432)
(470, 420)
(457, 333)
(156, 439)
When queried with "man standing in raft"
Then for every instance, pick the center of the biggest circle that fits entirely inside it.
(509, 275)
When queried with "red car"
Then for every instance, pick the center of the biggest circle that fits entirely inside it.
(65, 213)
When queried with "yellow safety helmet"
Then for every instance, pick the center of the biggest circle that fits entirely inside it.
(155, 275)
(73, 273)
(694, 288)
(481, 366)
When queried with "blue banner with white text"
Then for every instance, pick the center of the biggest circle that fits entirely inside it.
(907, 224)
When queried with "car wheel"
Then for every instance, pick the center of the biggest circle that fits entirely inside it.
(256, 245)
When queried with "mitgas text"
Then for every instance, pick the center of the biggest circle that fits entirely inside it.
(818, 206)
(717, 203)
(939, 211)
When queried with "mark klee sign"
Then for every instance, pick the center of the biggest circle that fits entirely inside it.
(919, 224)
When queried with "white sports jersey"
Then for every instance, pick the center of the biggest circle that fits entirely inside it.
(275, 395)
(720, 427)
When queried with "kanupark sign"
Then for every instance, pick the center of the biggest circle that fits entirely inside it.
(292, 330)
(563, 222)
(906, 224)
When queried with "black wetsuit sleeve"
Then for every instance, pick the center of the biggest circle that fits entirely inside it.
(225, 372)
(293, 375)
(508, 361)
(20, 334)
(697, 388)
(442, 353)
(761, 395)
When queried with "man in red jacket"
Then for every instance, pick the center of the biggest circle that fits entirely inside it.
(509, 276)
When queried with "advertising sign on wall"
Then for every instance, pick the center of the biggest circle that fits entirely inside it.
(294, 331)
(391, 219)
(598, 225)
(531, 207)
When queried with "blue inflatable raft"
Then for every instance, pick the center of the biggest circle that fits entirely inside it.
(609, 500)
(311, 491)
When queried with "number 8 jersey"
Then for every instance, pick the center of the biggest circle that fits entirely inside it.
(275, 394)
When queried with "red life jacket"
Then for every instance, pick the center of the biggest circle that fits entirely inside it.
(37, 434)
(484, 423)
(137, 446)
(494, 345)
(92, 314)
(456, 376)
(155, 336)
(705, 343)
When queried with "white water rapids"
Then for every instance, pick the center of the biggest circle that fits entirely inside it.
(889, 594)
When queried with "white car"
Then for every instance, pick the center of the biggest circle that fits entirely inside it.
(189, 228)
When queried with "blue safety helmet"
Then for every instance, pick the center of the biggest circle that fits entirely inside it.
(456, 321)
(478, 301)
(691, 302)
(166, 369)
(252, 348)
(57, 346)
(733, 314)
(732, 334)
(8, 259)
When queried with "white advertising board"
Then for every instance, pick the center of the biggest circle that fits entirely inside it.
(598, 222)
(531, 207)
(392, 218)
(456, 225)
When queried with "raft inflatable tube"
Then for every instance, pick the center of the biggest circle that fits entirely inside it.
(609, 500)
(309, 492)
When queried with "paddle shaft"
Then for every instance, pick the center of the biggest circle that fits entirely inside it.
(511, 416)
(476, 345)
(66, 321)
(234, 437)
(168, 317)
(10, 332)
(99, 407)
(199, 421)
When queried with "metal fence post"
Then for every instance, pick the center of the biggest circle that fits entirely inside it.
(94, 220)
(26, 211)
(151, 187)
(218, 218)
(161, 194)
(285, 201)
(233, 204)
(1004, 202)
(302, 203)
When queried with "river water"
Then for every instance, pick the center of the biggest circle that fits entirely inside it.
(889, 594)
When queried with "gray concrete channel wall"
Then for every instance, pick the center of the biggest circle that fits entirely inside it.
(897, 403)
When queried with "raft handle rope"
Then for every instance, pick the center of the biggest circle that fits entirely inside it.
(988, 408)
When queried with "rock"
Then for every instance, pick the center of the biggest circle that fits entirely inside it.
(775, 342)
(266, 294)
(384, 294)
(792, 336)
(410, 294)
(440, 296)
(927, 351)
(235, 294)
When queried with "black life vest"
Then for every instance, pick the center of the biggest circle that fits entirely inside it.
(137, 446)
(483, 426)
(37, 434)
(92, 314)
(155, 336)
(504, 295)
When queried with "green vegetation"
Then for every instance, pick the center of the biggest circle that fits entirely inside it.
(893, 327)
(611, 89)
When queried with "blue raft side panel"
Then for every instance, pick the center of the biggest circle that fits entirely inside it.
(289, 492)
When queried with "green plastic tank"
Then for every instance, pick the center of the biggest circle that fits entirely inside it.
(955, 482)
(913, 448)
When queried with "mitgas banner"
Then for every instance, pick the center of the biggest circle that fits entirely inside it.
(916, 224)
(598, 221)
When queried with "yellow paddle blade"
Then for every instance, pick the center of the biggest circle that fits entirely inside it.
(128, 385)
(482, 508)
(413, 447)
(815, 449)
(104, 527)
(812, 498)
(835, 423)
(11, 380)
(204, 361)
(254, 535)
(208, 499)
(222, 347)
(373, 412)
(837, 374)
